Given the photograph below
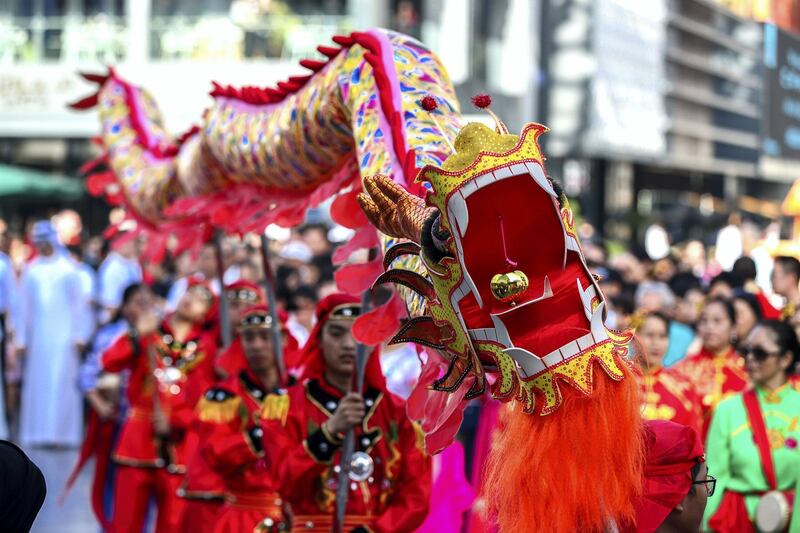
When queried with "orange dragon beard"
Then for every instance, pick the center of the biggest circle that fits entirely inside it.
(576, 470)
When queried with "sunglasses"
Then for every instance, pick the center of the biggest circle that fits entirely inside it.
(710, 483)
(759, 354)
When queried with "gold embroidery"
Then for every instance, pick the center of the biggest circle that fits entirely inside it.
(219, 412)
(276, 407)
(774, 396)
(326, 495)
(776, 439)
(658, 412)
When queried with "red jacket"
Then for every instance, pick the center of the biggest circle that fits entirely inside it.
(231, 444)
(184, 370)
(713, 378)
(394, 498)
(666, 395)
(232, 359)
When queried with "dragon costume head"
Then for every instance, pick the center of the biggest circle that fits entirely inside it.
(509, 296)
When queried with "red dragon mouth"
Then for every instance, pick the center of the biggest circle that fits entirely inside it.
(554, 319)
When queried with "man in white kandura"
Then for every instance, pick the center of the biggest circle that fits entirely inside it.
(55, 327)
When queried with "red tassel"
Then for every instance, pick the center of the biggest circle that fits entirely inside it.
(428, 103)
(482, 101)
(302, 80)
(328, 51)
(85, 103)
(273, 96)
(92, 164)
(343, 40)
(97, 184)
(371, 58)
(217, 90)
(188, 133)
(312, 64)
(287, 87)
(99, 79)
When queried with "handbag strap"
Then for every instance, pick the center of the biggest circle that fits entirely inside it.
(759, 428)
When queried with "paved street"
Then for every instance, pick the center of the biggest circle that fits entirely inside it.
(76, 515)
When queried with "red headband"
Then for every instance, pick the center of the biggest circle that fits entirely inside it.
(262, 310)
(312, 361)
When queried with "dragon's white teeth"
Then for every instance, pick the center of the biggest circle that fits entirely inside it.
(585, 342)
(469, 187)
(572, 244)
(533, 169)
(484, 180)
(459, 212)
(548, 290)
(529, 363)
(537, 172)
(502, 332)
(553, 358)
(483, 334)
(598, 327)
(467, 278)
(518, 169)
(502, 173)
(586, 297)
(569, 349)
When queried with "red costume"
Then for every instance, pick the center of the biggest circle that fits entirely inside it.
(666, 395)
(149, 466)
(203, 487)
(232, 446)
(231, 437)
(713, 378)
(395, 496)
(244, 293)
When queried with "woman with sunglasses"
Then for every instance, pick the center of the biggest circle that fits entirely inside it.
(716, 371)
(753, 440)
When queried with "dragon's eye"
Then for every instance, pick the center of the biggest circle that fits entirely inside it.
(434, 238)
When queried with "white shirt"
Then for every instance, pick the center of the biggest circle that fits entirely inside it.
(115, 275)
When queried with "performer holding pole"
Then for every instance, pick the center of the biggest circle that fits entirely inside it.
(171, 365)
(389, 473)
(202, 487)
(231, 434)
(348, 448)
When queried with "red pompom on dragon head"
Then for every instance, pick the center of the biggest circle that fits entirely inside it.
(509, 295)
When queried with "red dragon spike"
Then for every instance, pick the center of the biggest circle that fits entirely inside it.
(312, 64)
(329, 51)
(343, 40)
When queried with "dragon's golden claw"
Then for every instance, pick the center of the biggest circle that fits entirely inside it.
(392, 209)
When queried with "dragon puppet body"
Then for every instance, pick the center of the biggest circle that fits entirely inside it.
(500, 296)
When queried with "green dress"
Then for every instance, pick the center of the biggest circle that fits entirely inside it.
(733, 458)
